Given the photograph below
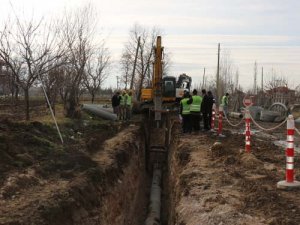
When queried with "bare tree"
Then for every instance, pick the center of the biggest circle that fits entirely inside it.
(126, 67)
(275, 81)
(96, 71)
(78, 34)
(5, 80)
(53, 81)
(30, 50)
(145, 55)
(226, 72)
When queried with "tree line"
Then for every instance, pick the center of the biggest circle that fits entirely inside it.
(66, 56)
(63, 55)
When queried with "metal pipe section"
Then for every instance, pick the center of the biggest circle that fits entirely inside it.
(236, 115)
(98, 111)
(155, 199)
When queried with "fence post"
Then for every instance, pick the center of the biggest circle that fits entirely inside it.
(289, 181)
(247, 130)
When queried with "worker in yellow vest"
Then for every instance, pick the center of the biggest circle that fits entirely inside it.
(185, 112)
(128, 105)
(195, 109)
(224, 103)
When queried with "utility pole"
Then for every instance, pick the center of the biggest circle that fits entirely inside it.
(135, 59)
(236, 80)
(218, 77)
(262, 78)
(255, 78)
(203, 85)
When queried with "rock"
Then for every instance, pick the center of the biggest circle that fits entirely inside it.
(269, 166)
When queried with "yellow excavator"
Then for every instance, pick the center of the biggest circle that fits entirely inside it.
(161, 101)
(166, 88)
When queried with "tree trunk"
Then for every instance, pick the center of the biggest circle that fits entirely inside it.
(71, 105)
(26, 93)
(16, 94)
(93, 98)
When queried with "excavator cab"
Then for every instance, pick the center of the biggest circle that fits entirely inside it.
(183, 84)
(168, 88)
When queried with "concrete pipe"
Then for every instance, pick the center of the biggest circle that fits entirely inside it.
(268, 116)
(279, 107)
(255, 112)
(99, 111)
(155, 199)
(236, 115)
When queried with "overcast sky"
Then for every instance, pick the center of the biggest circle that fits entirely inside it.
(266, 31)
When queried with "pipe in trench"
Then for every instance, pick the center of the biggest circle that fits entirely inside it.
(155, 199)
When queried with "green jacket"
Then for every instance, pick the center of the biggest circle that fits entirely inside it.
(129, 100)
(185, 106)
(196, 104)
(122, 100)
(224, 100)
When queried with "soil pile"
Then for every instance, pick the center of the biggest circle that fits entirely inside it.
(218, 183)
(43, 182)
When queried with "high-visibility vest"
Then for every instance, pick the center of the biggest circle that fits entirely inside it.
(129, 100)
(225, 100)
(122, 100)
(185, 106)
(196, 104)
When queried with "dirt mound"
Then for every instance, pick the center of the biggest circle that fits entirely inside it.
(17, 182)
(222, 184)
(219, 149)
(39, 176)
(250, 161)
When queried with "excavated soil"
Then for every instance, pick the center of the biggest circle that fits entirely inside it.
(96, 177)
(213, 181)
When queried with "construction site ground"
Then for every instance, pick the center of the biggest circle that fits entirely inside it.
(219, 183)
(98, 176)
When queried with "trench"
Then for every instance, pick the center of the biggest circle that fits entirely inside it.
(115, 188)
(129, 198)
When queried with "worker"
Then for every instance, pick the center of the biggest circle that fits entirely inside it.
(196, 111)
(115, 101)
(128, 105)
(211, 101)
(224, 104)
(123, 106)
(185, 112)
(205, 110)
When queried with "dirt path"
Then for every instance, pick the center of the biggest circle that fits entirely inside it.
(220, 184)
